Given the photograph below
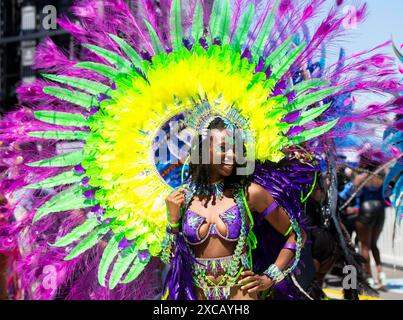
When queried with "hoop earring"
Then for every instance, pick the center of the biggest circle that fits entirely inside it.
(186, 163)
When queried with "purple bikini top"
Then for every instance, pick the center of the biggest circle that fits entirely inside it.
(193, 221)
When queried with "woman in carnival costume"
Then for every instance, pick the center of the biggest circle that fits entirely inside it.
(215, 232)
(223, 66)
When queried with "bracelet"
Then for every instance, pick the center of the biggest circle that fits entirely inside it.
(267, 211)
(274, 273)
(291, 246)
(174, 225)
(170, 230)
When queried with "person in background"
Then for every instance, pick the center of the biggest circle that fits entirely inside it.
(323, 242)
(370, 219)
(346, 187)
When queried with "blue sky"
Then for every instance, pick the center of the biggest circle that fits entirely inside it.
(384, 21)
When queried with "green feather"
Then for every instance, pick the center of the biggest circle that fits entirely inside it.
(311, 98)
(121, 265)
(110, 252)
(243, 28)
(308, 84)
(130, 52)
(81, 99)
(198, 27)
(87, 243)
(279, 52)
(60, 135)
(136, 269)
(157, 45)
(176, 25)
(225, 19)
(64, 178)
(312, 133)
(77, 233)
(279, 70)
(102, 69)
(61, 118)
(258, 77)
(265, 31)
(68, 199)
(113, 58)
(92, 87)
(310, 114)
(64, 160)
(214, 22)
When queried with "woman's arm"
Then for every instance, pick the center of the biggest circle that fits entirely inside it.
(261, 201)
(174, 203)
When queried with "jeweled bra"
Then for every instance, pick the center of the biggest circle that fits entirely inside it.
(232, 265)
(193, 221)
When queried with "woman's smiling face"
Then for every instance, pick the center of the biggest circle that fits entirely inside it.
(222, 156)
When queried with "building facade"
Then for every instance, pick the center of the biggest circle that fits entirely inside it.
(23, 24)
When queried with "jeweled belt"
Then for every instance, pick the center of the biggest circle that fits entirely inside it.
(227, 267)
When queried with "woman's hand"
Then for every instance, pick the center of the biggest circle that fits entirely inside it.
(257, 282)
(175, 202)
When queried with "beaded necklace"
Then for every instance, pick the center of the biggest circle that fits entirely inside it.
(215, 190)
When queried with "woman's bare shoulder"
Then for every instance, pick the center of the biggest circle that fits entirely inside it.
(256, 190)
(258, 197)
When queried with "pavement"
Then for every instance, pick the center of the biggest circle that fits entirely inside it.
(393, 289)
